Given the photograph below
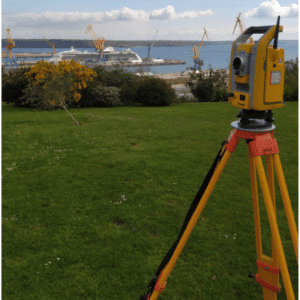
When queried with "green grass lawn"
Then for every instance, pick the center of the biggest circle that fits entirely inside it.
(67, 233)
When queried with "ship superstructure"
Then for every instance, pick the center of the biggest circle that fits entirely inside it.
(126, 55)
(109, 55)
(75, 55)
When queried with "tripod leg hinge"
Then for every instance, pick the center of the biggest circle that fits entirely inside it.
(267, 285)
(260, 143)
(267, 267)
(232, 141)
(263, 145)
(157, 286)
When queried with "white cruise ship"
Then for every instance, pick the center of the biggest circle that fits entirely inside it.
(109, 55)
(126, 55)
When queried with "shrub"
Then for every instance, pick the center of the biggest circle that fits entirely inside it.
(115, 77)
(53, 86)
(119, 77)
(154, 91)
(106, 96)
(87, 96)
(13, 85)
(220, 95)
(103, 75)
(209, 88)
(291, 80)
(202, 88)
(125, 81)
(128, 94)
(128, 84)
(290, 92)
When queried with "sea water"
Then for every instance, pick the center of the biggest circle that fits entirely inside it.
(216, 56)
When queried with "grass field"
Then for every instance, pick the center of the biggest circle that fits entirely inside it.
(69, 233)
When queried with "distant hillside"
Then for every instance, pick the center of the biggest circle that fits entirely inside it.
(41, 43)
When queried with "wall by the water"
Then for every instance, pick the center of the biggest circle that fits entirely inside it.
(58, 43)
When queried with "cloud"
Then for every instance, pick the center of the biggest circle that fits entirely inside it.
(164, 13)
(290, 29)
(70, 19)
(124, 14)
(272, 9)
(168, 13)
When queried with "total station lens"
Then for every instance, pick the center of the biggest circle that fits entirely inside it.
(237, 62)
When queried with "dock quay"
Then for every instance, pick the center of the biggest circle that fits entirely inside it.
(91, 64)
(30, 55)
(145, 63)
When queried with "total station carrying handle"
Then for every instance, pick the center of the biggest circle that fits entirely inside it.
(257, 29)
(266, 30)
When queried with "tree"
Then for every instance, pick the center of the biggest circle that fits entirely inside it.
(154, 91)
(209, 86)
(13, 84)
(199, 64)
(291, 80)
(59, 85)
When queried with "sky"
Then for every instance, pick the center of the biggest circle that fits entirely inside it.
(140, 20)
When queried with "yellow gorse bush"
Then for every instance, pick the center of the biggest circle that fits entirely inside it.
(51, 85)
(60, 82)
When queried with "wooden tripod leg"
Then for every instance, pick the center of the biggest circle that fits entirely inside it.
(286, 202)
(274, 227)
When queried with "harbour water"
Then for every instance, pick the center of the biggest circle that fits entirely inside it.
(218, 56)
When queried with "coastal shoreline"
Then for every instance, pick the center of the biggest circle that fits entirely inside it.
(184, 74)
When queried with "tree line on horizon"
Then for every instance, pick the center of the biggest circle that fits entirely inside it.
(82, 43)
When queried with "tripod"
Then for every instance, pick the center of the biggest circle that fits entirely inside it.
(258, 135)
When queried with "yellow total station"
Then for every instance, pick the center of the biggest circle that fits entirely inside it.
(256, 79)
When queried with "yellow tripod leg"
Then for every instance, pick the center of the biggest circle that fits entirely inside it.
(263, 274)
(274, 259)
(286, 203)
(255, 206)
(274, 228)
(167, 270)
(270, 176)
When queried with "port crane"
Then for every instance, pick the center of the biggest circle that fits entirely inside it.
(99, 42)
(10, 57)
(239, 21)
(52, 45)
(149, 47)
(197, 51)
